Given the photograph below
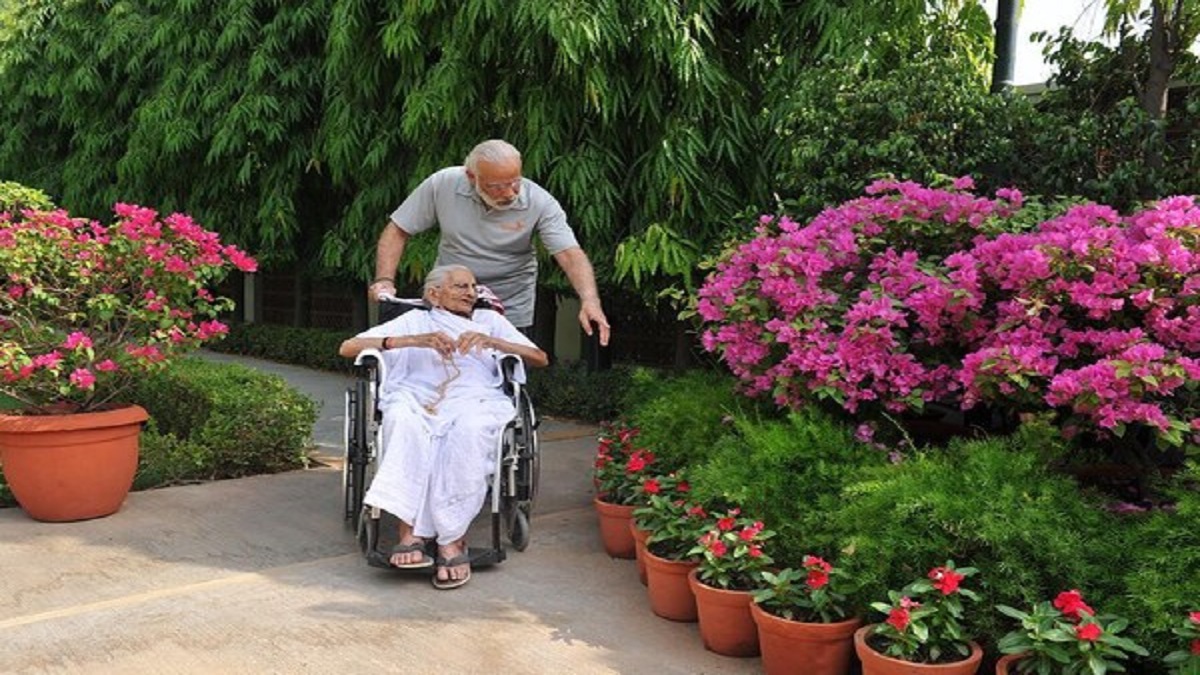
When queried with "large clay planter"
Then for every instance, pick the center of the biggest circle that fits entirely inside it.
(1007, 665)
(726, 627)
(614, 529)
(639, 546)
(875, 663)
(668, 589)
(71, 467)
(800, 648)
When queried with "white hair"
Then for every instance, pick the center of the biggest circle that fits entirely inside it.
(492, 151)
(437, 276)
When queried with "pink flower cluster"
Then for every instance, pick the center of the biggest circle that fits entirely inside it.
(85, 308)
(914, 294)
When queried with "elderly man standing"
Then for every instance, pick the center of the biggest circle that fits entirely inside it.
(487, 214)
(443, 411)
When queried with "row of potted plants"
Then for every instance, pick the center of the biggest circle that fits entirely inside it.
(694, 559)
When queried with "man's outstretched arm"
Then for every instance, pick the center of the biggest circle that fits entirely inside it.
(578, 268)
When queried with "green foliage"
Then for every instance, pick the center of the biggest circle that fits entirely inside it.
(789, 473)
(847, 124)
(1160, 572)
(228, 419)
(15, 197)
(681, 417)
(570, 390)
(991, 502)
(309, 347)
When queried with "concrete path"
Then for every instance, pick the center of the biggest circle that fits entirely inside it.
(260, 575)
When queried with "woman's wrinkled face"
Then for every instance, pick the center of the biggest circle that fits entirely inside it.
(456, 294)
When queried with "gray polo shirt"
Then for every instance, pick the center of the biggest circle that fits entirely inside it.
(496, 245)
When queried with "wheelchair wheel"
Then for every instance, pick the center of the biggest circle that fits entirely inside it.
(359, 410)
(517, 506)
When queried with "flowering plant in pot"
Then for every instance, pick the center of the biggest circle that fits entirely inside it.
(804, 624)
(620, 465)
(924, 621)
(1187, 661)
(672, 521)
(1066, 636)
(731, 552)
(85, 310)
(808, 594)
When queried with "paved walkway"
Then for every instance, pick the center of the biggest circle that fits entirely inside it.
(259, 575)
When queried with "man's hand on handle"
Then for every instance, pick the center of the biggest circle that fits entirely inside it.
(381, 288)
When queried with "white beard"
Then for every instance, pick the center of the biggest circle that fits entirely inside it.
(492, 203)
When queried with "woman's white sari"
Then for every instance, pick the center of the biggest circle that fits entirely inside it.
(441, 423)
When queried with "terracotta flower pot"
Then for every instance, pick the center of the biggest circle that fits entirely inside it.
(71, 467)
(875, 663)
(614, 529)
(726, 626)
(1008, 664)
(801, 648)
(639, 546)
(667, 586)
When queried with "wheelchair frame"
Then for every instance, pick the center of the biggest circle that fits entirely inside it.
(512, 487)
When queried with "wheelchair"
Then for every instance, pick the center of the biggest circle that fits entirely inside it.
(513, 484)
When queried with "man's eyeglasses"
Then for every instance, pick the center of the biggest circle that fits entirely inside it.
(513, 184)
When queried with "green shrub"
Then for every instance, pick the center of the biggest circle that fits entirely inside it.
(991, 504)
(682, 417)
(789, 473)
(229, 420)
(1161, 582)
(15, 197)
(569, 390)
(308, 347)
(165, 459)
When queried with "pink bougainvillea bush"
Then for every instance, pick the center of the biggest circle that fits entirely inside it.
(913, 294)
(86, 308)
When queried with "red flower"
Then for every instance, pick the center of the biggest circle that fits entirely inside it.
(717, 548)
(683, 486)
(1195, 617)
(908, 603)
(1196, 647)
(639, 460)
(755, 551)
(1071, 603)
(749, 533)
(1088, 631)
(726, 524)
(697, 511)
(898, 618)
(817, 578)
(651, 486)
(945, 579)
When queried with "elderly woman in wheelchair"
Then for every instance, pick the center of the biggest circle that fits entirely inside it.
(443, 410)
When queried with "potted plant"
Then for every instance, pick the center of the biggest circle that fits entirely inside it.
(619, 469)
(803, 621)
(732, 561)
(85, 310)
(1064, 636)
(923, 629)
(672, 487)
(1187, 661)
(672, 524)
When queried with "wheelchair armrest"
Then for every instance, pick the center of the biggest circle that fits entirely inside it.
(370, 362)
(508, 366)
